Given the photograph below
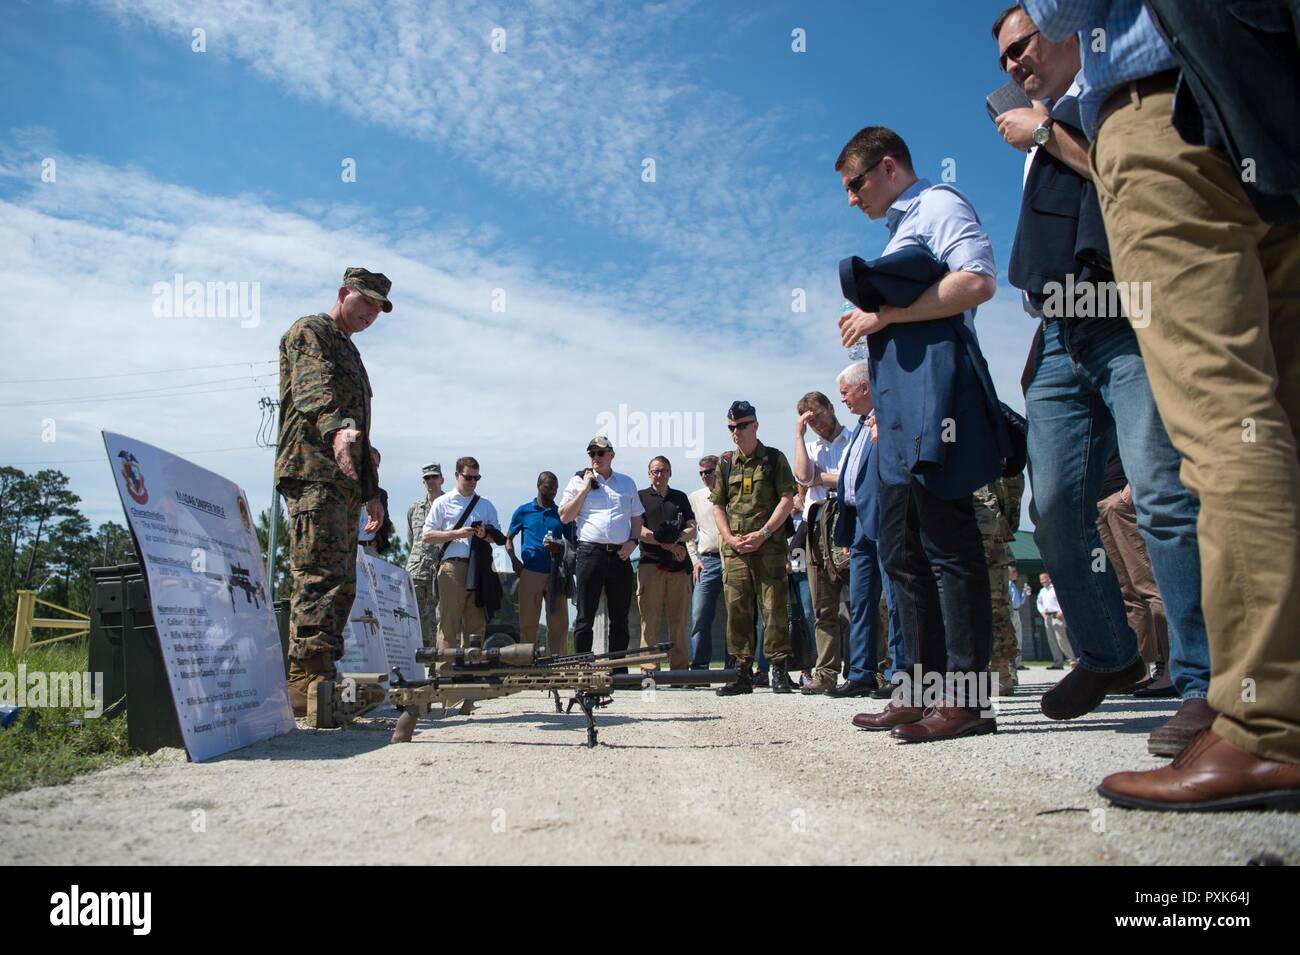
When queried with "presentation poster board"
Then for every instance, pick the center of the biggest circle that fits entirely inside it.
(207, 587)
(399, 615)
(364, 649)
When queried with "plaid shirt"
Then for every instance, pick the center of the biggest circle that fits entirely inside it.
(1128, 47)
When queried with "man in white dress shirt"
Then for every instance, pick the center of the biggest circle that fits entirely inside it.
(608, 511)
(1058, 639)
(817, 468)
(462, 622)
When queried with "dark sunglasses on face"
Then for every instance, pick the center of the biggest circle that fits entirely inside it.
(597, 454)
(854, 184)
(1016, 50)
(471, 477)
(708, 472)
(739, 427)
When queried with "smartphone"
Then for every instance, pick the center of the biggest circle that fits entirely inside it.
(1008, 96)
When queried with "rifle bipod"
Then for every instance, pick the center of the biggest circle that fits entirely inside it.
(588, 701)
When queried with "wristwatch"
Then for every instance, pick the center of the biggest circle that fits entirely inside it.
(1043, 133)
(764, 531)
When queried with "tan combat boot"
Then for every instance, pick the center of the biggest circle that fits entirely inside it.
(318, 690)
(299, 681)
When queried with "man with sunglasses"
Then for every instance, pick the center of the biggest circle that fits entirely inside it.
(706, 556)
(422, 562)
(751, 502)
(927, 521)
(608, 512)
(453, 519)
(1087, 396)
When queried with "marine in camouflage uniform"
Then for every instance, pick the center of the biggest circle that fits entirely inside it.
(324, 394)
(422, 563)
(997, 511)
(754, 492)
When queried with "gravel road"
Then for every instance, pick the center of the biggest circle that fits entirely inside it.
(683, 776)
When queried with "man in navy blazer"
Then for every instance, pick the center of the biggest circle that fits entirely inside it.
(858, 529)
(927, 521)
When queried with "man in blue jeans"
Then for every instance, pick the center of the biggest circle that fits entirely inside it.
(1087, 394)
(707, 570)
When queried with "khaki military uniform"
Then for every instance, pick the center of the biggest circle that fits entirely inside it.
(750, 495)
(422, 565)
(997, 511)
(323, 387)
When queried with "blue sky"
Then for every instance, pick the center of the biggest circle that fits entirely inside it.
(477, 170)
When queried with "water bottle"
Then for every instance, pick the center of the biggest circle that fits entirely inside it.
(858, 350)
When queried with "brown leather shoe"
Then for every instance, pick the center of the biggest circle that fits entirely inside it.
(1211, 774)
(1177, 734)
(895, 714)
(945, 722)
(1081, 691)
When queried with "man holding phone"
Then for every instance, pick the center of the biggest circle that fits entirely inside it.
(1087, 396)
(453, 519)
(608, 511)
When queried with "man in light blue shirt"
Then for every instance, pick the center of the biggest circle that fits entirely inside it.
(1187, 233)
(951, 628)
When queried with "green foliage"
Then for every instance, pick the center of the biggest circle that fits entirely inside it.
(42, 748)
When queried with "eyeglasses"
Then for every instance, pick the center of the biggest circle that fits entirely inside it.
(1016, 50)
(856, 183)
(659, 472)
(596, 453)
(471, 477)
(708, 472)
(741, 426)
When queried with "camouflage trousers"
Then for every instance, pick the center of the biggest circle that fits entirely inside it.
(322, 565)
(759, 574)
(997, 511)
(426, 598)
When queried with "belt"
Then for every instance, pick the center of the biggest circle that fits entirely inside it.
(1146, 86)
(463, 560)
(710, 553)
(612, 548)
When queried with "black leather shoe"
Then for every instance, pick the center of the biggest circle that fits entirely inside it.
(853, 688)
(1081, 691)
(1159, 687)
(779, 679)
(760, 678)
(885, 692)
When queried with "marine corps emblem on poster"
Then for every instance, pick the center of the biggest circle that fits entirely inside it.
(134, 478)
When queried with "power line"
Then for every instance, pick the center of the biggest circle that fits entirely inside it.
(177, 389)
(104, 458)
(135, 374)
(74, 401)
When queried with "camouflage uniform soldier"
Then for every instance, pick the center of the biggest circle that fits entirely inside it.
(997, 511)
(422, 563)
(752, 497)
(325, 468)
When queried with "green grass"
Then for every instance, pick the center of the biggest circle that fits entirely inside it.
(52, 752)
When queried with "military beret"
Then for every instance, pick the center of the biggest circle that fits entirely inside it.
(373, 285)
(741, 409)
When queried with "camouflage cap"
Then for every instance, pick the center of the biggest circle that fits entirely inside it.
(373, 285)
(431, 470)
(741, 409)
(599, 443)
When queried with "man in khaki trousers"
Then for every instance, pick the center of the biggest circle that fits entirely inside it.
(1222, 350)
(452, 520)
(663, 577)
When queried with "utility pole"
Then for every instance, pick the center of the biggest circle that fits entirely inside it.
(268, 427)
